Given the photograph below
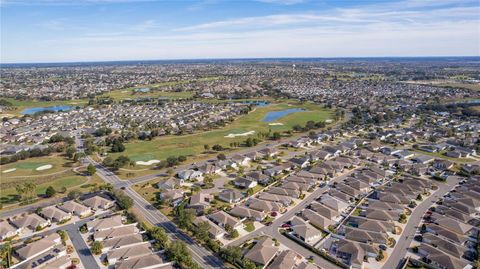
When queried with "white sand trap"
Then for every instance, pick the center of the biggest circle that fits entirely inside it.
(9, 170)
(275, 123)
(44, 167)
(328, 121)
(147, 163)
(243, 134)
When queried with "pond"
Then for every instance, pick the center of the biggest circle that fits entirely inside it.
(257, 103)
(33, 110)
(275, 115)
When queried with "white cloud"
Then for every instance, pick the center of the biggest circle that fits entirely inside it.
(282, 2)
(429, 29)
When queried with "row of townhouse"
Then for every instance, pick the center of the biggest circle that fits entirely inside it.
(123, 244)
(60, 213)
(449, 236)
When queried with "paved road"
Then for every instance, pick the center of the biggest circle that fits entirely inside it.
(202, 256)
(31, 208)
(81, 247)
(273, 232)
(401, 248)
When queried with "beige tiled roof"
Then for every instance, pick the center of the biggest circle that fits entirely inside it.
(262, 252)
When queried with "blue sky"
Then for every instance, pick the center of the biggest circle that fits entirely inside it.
(97, 30)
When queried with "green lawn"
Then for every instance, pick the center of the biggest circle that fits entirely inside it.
(154, 92)
(27, 167)
(192, 144)
(10, 195)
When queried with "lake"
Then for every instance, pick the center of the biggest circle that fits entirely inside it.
(275, 115)
(257, 103)
(33, 110)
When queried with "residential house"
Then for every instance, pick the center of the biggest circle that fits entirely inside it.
(38, 247)
(54, 214)
(230, 196)
(120, 231)
(200, 202)
(262, 252)
(285, 260)
(75, 209)
(150, 261)
(223, 219)
(245, 183)
(98, 202)
(215, 231)
(304, 231)
(354, 253)
(30, 221)
(440, 259)
(7, 230)
(123, 254)
(173, 197)
(316, 219)
(284, 200)
(189, 174)
(105, 223)
(259, 177)
(265, 206)
(122, 241)
(247, 213)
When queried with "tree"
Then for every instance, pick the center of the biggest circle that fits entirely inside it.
(74, 194)
(206, 147)
(27, 191)
(234, 233)
(172, 161)
(297, 128)
(185, 217)
(91, 170)
(6, 255)
(380, 255)
(182, 158)
(118, 146)
(70, 151)
(231, 253)
(63, 189)
(63, 236)
(208, 180)
(178, 251)
(202, 231)
(97, 247)
(160, 237)
(124, 201)
(78, 156)
(50, 192)
(250, 192)
(221, 156)
(217, 147)
(276, 136)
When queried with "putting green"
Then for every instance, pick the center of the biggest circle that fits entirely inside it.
(30, 165)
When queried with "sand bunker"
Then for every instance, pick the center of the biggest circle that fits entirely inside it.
(9, 170)
(275, 123)
(243, 134)
(44, 167)
(328, 121)
(147, 163)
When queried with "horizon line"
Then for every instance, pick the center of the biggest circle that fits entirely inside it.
(236, 59)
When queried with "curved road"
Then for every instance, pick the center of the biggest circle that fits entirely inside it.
(401, 248)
